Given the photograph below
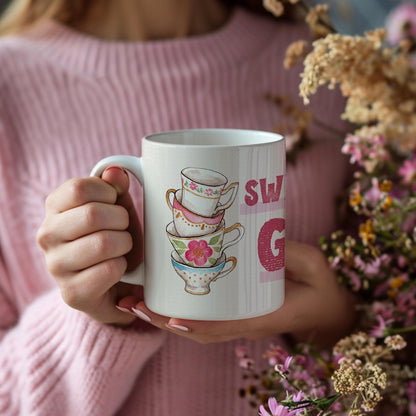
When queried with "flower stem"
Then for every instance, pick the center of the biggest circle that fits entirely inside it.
(393, 331)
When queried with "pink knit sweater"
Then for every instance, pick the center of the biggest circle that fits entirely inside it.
(68, 100)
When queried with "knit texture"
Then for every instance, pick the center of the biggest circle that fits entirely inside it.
(68, 100)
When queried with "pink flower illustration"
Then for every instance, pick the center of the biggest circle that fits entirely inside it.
(209, 192)
(193, 186)
(198, 252)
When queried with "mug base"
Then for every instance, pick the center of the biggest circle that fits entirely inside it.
(195, 316)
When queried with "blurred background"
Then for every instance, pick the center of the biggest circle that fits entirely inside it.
(356, 16)
(349, 16)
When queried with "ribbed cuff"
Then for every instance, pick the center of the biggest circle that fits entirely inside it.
(62, 334)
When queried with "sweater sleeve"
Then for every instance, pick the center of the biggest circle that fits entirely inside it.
(56, 360)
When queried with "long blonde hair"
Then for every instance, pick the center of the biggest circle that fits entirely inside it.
(22, 15)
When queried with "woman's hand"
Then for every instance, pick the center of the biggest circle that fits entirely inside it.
(87, 244)
(316, 307)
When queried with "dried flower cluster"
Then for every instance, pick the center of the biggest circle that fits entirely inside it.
(378, 81)
(376, 257)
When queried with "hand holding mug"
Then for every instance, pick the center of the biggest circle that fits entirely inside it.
(90, 235)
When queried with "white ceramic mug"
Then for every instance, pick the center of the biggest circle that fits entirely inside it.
(252, 270)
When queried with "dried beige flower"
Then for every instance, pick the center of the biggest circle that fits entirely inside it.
(395, 342)
(274, 6)
(364, 380)
(318, 20)
(347, 378)
(379, 83)
(295, 53)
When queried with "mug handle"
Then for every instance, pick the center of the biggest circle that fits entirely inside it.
(232, 187)
(240, 229)
(168, 192)
(134, 165)
(225, 272)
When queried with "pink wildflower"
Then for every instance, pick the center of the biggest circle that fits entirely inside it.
(283, 368)
(276, 355)
(245, 363)
(298, 396)
(366, 152)
(408, 171)
(411, 390)
(275, 408)
(378, 330)
(373, 195)
(241, 351)
(401, 23)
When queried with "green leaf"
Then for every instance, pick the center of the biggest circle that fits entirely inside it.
(212, 260)
(217, 248)
(214, 240)
(179, 244)
(180, 250)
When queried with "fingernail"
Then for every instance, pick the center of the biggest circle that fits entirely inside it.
(141, 315)
(122, 309)
(118, 168)
(178, 327)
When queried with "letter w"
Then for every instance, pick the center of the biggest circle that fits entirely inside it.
(272, 192)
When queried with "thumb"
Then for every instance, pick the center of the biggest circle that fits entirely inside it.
(118, 178)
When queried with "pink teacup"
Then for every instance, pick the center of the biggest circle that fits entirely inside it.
(187, 223)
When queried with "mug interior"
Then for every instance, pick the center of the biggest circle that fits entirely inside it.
(205, 177)
(214, 137)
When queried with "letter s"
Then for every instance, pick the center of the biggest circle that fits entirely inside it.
(250, 185)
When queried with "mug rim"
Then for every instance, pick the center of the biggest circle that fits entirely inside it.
(268, 137)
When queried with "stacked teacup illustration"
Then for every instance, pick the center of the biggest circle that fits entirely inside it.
(198, 231)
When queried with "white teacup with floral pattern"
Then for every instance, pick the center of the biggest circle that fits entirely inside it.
(205, 250)
(198, 279)
(202, 189)
(187, 223)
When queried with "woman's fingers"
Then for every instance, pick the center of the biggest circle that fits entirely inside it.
(86, 219)
(82, 290)
(80, 191)
(86, 251)
(305, 263)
